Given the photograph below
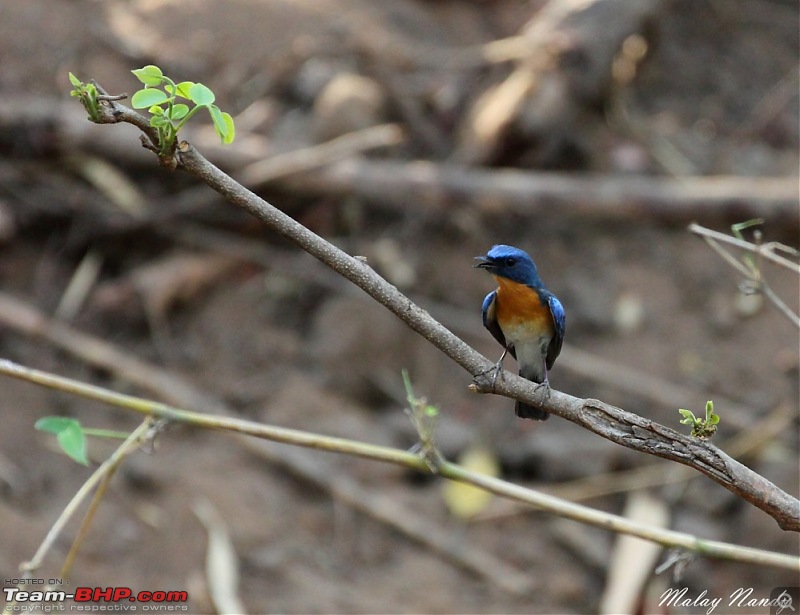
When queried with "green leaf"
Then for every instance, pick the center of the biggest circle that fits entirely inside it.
(148, 97)
(687, 414)
(156, 110)
(149, 75)
(201, 95)
(69, 434)
(75, 81)
(227, 139)
(219, 122)
(54, 424)
(713, 419)
(73, 443)
(158, 121)
(182, 89)
(223, 123)
(178, 111)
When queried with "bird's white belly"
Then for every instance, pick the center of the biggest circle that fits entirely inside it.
(522, 335)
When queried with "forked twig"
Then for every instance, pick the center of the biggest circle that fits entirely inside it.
(753, 271)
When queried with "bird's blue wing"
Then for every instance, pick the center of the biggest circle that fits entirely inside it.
(489, 315)
(560, 323)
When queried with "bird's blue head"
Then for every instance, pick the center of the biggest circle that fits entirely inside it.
(510, 262)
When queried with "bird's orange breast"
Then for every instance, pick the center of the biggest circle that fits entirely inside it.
(519, 308)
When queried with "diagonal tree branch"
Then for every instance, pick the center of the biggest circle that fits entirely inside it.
(625, 428)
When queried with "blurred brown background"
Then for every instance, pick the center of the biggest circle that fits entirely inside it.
(605, 94)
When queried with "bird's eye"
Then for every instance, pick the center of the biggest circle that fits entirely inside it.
(511, 261)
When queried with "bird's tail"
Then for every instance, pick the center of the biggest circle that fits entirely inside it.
(524, 411)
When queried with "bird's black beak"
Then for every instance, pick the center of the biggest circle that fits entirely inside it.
(483, 263)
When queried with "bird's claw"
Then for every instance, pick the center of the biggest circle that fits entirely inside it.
(497, 368)
(546, 386)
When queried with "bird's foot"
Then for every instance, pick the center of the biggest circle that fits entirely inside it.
(546, 386)
(497, 368)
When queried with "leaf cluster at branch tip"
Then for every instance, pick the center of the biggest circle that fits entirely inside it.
(160, 97)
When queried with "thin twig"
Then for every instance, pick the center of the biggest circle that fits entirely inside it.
(576, 512)
(66, 567)
(780, 304)
(110, 98)
(767, 250)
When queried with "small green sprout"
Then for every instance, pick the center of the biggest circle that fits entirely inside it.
(702, 428)
(747, 259)
(71, 435)
(87, 92)
(425, 418)
(160, 97)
